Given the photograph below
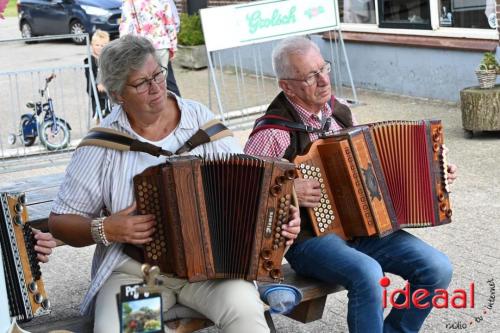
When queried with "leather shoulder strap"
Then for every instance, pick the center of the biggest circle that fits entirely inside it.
(113, 139)
(210, 131)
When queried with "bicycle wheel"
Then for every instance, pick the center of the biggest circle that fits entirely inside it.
(55, 135)
(30, 140)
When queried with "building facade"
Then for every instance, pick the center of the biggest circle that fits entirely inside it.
(423, 48)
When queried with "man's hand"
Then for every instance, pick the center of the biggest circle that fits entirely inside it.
(452, 173)
(45, 242)
(308, 192)
(292, 229)
(123, 227)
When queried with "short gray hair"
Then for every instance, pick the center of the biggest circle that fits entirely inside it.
(285, 48)
(119, 58)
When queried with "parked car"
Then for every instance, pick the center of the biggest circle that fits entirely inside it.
(56, 17)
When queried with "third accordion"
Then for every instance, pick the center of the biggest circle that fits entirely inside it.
(217, 217)
(378, 178)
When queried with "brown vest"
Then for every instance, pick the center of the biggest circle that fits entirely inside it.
(299, 141)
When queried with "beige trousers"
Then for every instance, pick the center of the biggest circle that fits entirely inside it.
(233, 305)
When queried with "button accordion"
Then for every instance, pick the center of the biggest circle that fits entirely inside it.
(25, 288)
(378, 178)
(217, 217)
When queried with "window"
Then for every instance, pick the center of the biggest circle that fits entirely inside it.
(467, 13)
(357, 11)
(412, 14)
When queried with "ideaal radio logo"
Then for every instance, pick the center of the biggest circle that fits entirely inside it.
(462, 298)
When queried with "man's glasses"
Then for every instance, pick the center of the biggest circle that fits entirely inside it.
(144, 86)
(313, 77)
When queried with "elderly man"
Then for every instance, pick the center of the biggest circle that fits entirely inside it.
(356, 264)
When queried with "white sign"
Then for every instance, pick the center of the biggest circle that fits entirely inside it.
(259, 21)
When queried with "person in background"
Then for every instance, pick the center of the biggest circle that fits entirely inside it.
(171, 82)
(3, 4)
(157, 20)
(99, 40)
(360, 263)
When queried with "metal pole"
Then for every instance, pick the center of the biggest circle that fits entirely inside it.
(216, 88)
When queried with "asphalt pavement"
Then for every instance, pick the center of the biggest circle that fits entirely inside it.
(471, 240)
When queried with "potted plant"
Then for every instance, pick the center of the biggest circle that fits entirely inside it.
(487, 71)
(191, 51)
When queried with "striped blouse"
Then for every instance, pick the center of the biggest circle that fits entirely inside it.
(99, 177)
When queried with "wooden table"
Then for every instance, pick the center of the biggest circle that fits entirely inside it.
(480, 109)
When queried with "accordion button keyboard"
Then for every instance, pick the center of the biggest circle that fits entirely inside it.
(268, 265)
(22, 199)
(18, 219)
(265, 254)
(18, 208)
(32, 286)
(275, 273)
(38, 298)
(46, 304)
(280, 180)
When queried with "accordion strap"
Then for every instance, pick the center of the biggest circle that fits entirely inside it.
(210, 131)
(113, 139)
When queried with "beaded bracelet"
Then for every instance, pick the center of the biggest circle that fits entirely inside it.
(97, 231)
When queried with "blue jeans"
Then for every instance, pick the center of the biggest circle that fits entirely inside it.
(358, 265)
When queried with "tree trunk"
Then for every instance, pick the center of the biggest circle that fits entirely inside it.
(480, 109)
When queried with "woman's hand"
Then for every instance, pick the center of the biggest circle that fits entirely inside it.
(45, 242)
(292, 229)
(308, 192)
(123, 227)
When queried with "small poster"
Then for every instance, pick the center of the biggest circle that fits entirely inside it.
(139, 313)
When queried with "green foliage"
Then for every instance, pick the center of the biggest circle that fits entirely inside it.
(191, 32)
(488, 62)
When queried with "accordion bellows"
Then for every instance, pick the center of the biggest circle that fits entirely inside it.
(378, 178)
(217, 217)
(25, 288)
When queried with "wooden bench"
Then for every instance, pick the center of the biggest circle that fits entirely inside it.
(40, 192)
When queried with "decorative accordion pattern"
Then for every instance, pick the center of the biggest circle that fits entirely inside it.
(25, 288)
(378, 178)
(217, 217)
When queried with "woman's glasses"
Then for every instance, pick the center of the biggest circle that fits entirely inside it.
(144, 86)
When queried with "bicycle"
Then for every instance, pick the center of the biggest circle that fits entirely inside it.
(54, 132)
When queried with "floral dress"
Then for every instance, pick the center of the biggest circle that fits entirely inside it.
(152, 19)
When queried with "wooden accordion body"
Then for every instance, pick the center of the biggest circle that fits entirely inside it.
(378, 178)
(25, 288)
(217, 217)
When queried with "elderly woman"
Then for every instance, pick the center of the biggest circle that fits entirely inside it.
(99, 177)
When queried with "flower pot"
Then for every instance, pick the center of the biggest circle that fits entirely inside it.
(486, 78)
(194, 57)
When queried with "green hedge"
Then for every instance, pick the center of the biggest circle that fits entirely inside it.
(191, 32)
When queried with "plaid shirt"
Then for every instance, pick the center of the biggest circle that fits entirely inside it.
(274, 142)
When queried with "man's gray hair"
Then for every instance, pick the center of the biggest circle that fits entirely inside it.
(285, 48)
(119, 58)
